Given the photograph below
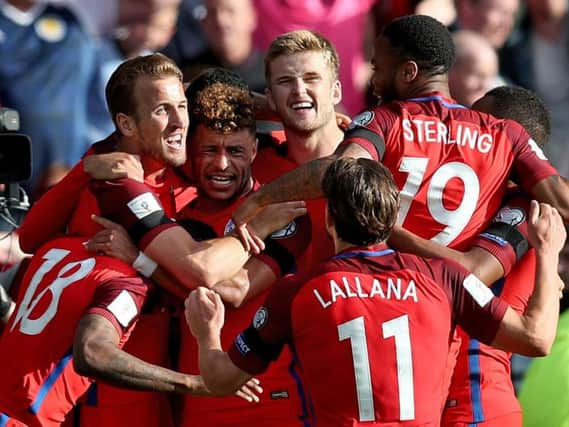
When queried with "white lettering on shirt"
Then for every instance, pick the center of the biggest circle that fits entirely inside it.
(367, 287)
(436, 132)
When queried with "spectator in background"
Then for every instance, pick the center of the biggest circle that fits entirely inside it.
(344, 22)
(540, 61)
(475, 69)
(493, 19)
(48, 63)
(227, 26)
(139, 39)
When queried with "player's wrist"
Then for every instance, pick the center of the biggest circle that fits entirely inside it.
(144, 264)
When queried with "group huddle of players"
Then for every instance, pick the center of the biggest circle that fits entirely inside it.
(371, 332)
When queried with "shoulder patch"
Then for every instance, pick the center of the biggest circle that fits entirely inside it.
(478, 290)
(511, 216)
(261, 317)
(123, 308)
(143, 205)
(362, 119)
(287, 231)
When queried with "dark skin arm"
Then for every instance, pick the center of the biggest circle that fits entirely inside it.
(96, 354)
(554, 191)
(478, 261)
(302, 183)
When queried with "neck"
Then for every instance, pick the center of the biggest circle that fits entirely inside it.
(437, 83)
(340, 245)
(303, 148)
(153, 169)
(237, 55)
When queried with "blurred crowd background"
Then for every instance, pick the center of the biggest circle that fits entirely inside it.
(56, 56)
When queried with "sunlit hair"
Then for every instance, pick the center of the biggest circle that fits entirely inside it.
(220, 100)
(363, 200)
(119, 91)
(302, 41)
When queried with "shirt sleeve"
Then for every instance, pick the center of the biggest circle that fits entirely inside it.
(262, 342)
(284, 247)
(133, 205)
(506, 238)
(370, 131)
(530, 163)
(50, 214)
(120, 301)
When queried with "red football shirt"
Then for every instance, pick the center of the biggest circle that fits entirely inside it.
(451, 163)
(68, 205)
(361, 325)
(62, 284)
(270, 163)
(280, 403)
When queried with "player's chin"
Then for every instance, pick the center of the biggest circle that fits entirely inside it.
(175, 158)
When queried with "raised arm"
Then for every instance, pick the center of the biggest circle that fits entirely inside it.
(205, 316)
(533, 332)
(553, 190)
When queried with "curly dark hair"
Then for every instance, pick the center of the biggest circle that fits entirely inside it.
(422, 39)
(523, 106)
(362, 198)
(220, 100)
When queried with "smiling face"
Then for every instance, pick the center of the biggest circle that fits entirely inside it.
(160, 122)
(303, 90)
(221, 162)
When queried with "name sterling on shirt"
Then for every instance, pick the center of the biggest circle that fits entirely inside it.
(434, 131)
(369, 287)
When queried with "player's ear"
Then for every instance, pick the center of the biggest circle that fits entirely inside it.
(254, 149)
(270, 99)
(125, 124)
(337, 92)
(409, 71)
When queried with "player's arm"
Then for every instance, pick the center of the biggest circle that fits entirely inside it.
(193, 262)
(113, 165)
(253, 278)
(205, 316)
(96, 353)
(493, 253)
(49, 215)
(553, 190)
(533, 332)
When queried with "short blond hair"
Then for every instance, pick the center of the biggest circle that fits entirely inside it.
(302, 41)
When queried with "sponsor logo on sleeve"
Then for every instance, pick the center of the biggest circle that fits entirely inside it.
(512, 216)
(143, 205)
(362, 119)
(123, 308)
(287, 231)
(478, 290)
(261, 317)
(241, 345)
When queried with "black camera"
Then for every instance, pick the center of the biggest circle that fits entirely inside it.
(15, 166)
